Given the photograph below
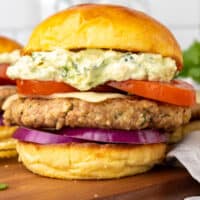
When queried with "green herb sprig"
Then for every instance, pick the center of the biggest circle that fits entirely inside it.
(3, 186)
(191, 58)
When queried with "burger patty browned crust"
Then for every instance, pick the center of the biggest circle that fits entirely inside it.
(129, 113)
(5, 92)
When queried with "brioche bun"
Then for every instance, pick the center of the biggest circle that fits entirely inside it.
(104, 26)
(7, 131)
(8, 45)
(181, 132)
(89, 161)
(8, 153)
(7, 144)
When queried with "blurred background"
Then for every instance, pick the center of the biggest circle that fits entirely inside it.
(19, 17)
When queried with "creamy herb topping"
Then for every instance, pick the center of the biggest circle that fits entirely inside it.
(10, 57)
(88, 68)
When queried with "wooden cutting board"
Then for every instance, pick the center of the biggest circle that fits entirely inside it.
(160, 183)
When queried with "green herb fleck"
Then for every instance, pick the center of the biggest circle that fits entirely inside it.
(75, 65)
(144, 116)
(117, 115)
(128, 57)
(65, 71)
(3, 186)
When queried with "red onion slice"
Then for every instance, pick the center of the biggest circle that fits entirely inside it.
(115, 136)
(67, 135)
(41, 137)
(1, 120)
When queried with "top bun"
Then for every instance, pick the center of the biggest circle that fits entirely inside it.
(104, 26)
(8, 45)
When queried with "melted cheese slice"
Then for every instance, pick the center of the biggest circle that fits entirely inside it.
(92, 97)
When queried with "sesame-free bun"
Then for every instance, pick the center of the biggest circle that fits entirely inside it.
(183, 131)
(104, 26)
(89, 161)
(7, 143)
(8, 45)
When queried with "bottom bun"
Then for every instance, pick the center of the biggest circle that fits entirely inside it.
(7, 143)
(89, 160)
(183, 131)
(7, 131)
(8, 153)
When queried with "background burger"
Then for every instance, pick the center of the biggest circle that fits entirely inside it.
(192, 125)
(96, 94)
(9, 53)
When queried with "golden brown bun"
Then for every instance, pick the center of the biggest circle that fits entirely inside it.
(8, 45)
(104, 26)
(184, 130)
(7, 144)
(89, 161)
(8, 153)
(7, 131)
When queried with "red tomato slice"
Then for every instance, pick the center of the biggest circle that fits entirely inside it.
(176, 92)
(4, 79)
(29, 87)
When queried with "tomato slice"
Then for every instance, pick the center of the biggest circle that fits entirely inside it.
(176, 92)
(4, 79)
(30, 87)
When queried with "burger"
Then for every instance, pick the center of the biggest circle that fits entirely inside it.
(192, 125)
(96, 96)
(9, 53)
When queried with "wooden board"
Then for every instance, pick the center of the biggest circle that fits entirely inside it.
(161, 183)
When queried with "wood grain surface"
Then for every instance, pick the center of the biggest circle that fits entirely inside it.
(160, 183)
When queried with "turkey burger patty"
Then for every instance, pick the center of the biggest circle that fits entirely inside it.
(120, 113)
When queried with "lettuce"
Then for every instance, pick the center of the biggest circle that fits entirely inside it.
(191, 59)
